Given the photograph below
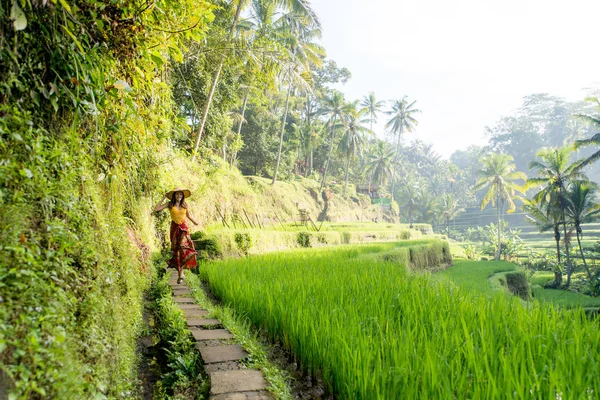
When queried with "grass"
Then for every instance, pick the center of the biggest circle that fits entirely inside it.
(565, 298)
(372, 331)
(474, 275)
(247, 337)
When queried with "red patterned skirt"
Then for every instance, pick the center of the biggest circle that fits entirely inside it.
(184, 254)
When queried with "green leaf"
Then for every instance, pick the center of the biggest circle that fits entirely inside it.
(176, 53)
(157, 58)
(16, 14)
(65, 5)
(26, 172)
(73, 38)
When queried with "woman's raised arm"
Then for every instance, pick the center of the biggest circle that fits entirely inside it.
(160, 207)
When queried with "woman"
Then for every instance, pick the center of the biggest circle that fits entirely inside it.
(184, 254)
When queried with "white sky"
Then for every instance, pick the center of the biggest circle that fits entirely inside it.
(466, 62)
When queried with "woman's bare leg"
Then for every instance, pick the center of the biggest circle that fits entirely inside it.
(179, 268)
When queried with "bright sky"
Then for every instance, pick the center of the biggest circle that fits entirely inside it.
(466, 62)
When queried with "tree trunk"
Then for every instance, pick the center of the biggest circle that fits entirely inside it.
(347, 169)
(287, 103)
(213, 86)
(589, 274)
(566, 239)
(558, 271)
(328, 154)
(239, 129)
(499, 232)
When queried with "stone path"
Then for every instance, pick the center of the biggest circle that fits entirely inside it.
(229, 378)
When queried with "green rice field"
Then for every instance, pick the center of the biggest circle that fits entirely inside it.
(373, 331)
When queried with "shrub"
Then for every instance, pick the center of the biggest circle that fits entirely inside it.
(303, 239)
(198, 235)
(321, 238)
(518, 285)
(243, 242)
(208, 248)
(403, 235)
(346, 236)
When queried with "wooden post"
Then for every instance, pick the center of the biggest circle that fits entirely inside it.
(248, 218)
(223, 220)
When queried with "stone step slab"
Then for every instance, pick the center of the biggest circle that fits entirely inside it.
(206, 322)
(194, 313)
(190, 307)
(208, 334)
(247, 380)
(223, 366)
(232, 352)
(243, 396)
(184, 300)
(182, 293)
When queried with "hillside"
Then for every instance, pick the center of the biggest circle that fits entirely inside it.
(222, 191)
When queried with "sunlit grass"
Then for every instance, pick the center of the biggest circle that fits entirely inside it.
(565, 298)
(375, 332)
(474, 275)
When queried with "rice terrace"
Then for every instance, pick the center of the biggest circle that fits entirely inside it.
(227, 200)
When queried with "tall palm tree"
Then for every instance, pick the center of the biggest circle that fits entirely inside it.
(498, 174)
(299, 7)
(353, 140)
(450, 210)
(409, 198)
(372, 107)
(301, 53)
(581, 209)
(554, 175)
(545, 219)
(335, 108)
(402, 119)
(594, 140)
(380, 163)
(427, 205)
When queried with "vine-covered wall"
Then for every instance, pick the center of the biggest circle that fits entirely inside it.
(85, 108)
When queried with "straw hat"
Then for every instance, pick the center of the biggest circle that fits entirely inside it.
(186, 193)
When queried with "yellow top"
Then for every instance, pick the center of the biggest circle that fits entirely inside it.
(178, 215)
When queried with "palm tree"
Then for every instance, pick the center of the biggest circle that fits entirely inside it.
(545, 219)
(335, 108)
(554, 175)
(450, 210)
(403, 119)
(301, 54)
(299, 7)
(372, 107)
(594, 140)
(588, 142)
(582, 208)
(409, 198)
(380, 163)
(499, 176)
(353, 137)
(427, 206)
